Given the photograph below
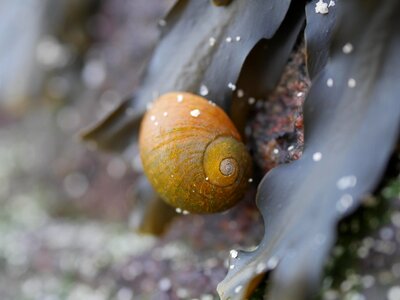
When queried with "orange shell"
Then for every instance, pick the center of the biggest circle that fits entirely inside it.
(192, 154)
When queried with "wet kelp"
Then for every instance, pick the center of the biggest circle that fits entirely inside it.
(352, 118)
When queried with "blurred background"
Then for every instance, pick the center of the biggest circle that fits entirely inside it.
(67, 212)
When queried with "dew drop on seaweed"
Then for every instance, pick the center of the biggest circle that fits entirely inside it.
(233, 253)
(203, 90)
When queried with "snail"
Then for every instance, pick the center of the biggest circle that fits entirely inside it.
(192, 154)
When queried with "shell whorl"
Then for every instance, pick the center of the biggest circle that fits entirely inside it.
(222, 161)
(192, 154)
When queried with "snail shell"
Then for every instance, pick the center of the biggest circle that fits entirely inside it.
(193, 155)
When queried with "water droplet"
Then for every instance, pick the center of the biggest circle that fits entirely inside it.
(260, 268)
(156, 123)
(238, 289)
(272, 263)
(206, 178)
(178, 210)
(195, 113)
(203, 90)
(317, 156)
(240, 93)
(238, 38)
(165, 114)
(329, 82)
(276, 151)
(290, 148)
(162, 22)
(344, 203)
(212, 41)
(228, 39)
(179, 98)
(185, 212)
(231, 86)
(321, 7)
(250, 180)
(231, 267)
(347, 48)
(153, 118)
(352, 83)
(233, 253)
(252, 100)
(346, 182)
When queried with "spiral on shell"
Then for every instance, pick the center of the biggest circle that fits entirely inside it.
(192, 154)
